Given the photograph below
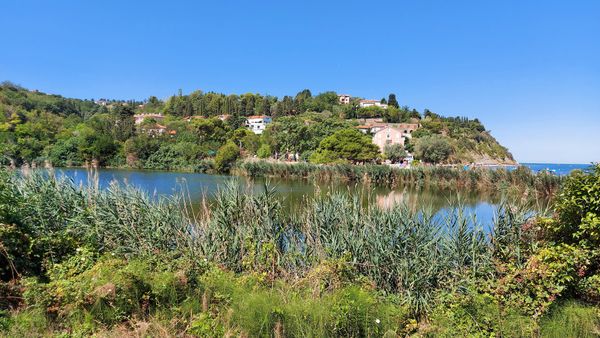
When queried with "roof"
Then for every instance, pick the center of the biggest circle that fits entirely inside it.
(388, 127)
(258, 117)
(148, 115)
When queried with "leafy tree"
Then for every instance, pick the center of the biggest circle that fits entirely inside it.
(433, 149)
(345, 145)
(264, 151)
(226, 157)
(394, 152)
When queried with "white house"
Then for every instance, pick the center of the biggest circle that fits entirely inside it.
(257, 124)
(139, 118)
(371, 103)
(344, 98)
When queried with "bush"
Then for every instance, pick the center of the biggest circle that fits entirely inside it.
(264, 151)
(578, 208)
(433, 149)
(226, 156)
(394, 152)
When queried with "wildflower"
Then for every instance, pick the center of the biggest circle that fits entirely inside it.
(377, 321)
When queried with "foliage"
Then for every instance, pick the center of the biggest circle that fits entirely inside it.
(394, 152)
(521, 180)
(264, 151)
(226, 156)
(345, 145)
(578, 208)
(110, 262)
(433, 149)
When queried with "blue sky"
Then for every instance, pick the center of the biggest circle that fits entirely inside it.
(530, 70)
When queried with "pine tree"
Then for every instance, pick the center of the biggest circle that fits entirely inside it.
(392, 101)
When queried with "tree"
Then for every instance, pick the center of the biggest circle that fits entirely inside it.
(392, 102)
(124, 122)
(433, 149)
(264, 151)
(394, 152)
(345, 145)
(226, 156)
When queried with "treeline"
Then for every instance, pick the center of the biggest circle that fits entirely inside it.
(38, 128)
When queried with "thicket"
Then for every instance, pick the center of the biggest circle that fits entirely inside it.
(80, 261)
(519, 180)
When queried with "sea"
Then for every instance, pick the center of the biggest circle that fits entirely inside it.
(556, 168)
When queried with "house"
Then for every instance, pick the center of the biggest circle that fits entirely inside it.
(258, 123)
(139, 118)
(371, 103)
(388, 135)
(154, 129)
(407, 128)
(344, 98)
(372, 128)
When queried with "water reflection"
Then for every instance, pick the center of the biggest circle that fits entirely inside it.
(294, 193)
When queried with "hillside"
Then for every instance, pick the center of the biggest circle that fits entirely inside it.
(37, 128)
(471, 142)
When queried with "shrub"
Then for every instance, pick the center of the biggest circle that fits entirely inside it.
(578, 208)
(433, 149)
(226, 156)
(394, 152)
(264, 151)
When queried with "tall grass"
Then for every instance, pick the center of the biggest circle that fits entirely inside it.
(404, 252)
(521, 179)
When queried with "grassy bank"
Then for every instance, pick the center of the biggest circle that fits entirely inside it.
(79, 261)
(521, 179)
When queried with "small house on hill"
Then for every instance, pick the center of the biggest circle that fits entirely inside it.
(371, 103)
(154, 129)
(139, 118)
(258, 123)
(344, 98)
(407, 128)
(388, 135)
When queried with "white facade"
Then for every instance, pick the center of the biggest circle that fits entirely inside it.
(372, 103)
(257, 124)
(344, 98)
(139, 118)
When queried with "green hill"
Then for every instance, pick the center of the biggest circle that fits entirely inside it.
(38, 127)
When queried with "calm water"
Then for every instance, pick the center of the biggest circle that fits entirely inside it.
(293, 192)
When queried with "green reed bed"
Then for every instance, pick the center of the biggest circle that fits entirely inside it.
(121, 263)
(521, 179)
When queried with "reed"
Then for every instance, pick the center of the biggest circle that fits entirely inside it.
(520, 180)
(401, 250)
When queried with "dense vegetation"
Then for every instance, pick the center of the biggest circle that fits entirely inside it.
(518, 182)
(39, 128)
(78, 261)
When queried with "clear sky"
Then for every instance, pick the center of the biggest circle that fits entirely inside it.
(530, 70)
